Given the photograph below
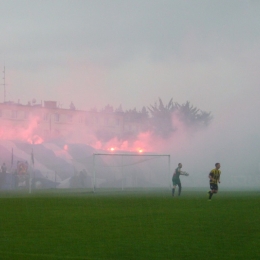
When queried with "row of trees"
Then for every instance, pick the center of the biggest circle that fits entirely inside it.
(163, 119)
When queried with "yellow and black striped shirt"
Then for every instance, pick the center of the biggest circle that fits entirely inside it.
(215, 175)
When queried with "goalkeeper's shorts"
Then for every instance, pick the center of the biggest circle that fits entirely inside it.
(176, 182)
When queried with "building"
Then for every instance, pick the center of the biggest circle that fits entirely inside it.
(38, 122)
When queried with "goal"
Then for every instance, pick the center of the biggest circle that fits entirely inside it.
(126, 171)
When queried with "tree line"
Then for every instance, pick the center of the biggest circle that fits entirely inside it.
(163, 119)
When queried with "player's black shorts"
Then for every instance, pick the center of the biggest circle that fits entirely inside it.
(213, 186)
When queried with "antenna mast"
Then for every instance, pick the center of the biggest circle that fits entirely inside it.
(4, 84)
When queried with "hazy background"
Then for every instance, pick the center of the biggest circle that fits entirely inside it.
(95, 53)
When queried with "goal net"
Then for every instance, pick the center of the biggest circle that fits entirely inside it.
(130, 171)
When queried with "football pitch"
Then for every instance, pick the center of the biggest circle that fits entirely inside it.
(130, 225)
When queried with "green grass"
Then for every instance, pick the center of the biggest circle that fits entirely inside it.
(130, 225)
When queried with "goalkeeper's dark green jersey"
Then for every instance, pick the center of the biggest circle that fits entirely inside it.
(176, 174)
(215, 175)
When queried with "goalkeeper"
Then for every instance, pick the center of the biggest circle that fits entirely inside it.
(176, 179)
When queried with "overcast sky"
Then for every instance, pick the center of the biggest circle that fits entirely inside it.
(130, 52)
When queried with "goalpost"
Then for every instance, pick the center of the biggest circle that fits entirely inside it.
(126, 170)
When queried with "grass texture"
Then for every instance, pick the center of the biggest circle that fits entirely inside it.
(130, 225)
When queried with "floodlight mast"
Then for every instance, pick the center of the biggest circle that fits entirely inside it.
(122, 155)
